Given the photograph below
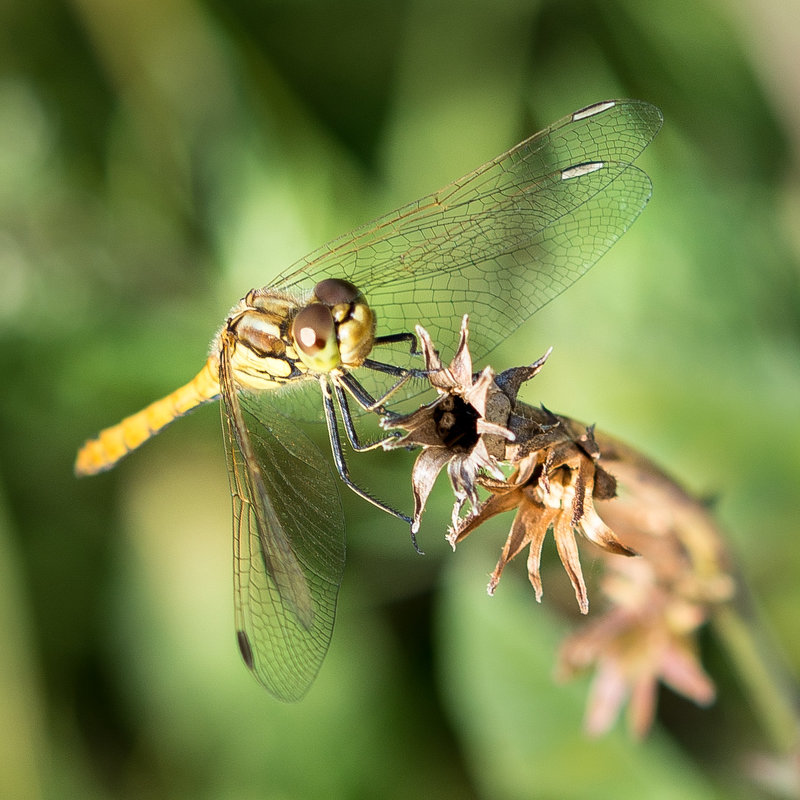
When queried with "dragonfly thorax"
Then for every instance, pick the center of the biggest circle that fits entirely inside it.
(277, 338)
(260, 355)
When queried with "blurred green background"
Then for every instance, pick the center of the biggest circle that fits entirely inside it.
(159, 159)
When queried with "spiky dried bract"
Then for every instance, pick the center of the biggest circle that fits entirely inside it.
(555, 481)
(563, 477)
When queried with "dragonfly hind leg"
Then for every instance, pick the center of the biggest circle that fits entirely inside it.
(338, 454)
(349, 426)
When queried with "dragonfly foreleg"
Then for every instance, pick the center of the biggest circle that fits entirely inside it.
(394, 338)
(364, 398)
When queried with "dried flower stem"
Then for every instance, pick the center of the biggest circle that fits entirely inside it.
(774, 698)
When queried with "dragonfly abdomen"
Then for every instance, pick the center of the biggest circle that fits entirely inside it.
(111, 444)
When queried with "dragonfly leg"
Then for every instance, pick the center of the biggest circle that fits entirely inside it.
(349, 427)
(341, 464)
(364, 398)
(402, 373)
(394, 338)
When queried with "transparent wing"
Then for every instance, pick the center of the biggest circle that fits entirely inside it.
(289, 542)
(505, 239)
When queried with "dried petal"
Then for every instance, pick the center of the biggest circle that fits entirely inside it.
(642, 708)
(517, 539)
(426, 468)
(595, 530)
(534, 561)
(607, 695)
(495, 504)
(568, 553)
(681, 670)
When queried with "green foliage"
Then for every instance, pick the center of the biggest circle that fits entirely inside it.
(157, 160)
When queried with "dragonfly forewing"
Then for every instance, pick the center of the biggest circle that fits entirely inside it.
(502, 241)
(288, 542)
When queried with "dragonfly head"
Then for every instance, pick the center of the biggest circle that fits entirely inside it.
(336, 328)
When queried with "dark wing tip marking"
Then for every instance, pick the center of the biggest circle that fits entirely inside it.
(244, 648)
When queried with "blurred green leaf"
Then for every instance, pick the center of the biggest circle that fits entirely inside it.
(521, 730)
(157, 160)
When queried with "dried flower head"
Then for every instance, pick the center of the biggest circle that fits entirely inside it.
(553, 486)
(646, 638)
(473, 426)
(561, 472)
(456, 429)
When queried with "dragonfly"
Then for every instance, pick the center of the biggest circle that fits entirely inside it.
(497, 244)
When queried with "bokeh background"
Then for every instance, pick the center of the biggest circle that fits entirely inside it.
(157, 160)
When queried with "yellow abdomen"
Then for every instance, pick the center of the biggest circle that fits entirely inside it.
(111, 444)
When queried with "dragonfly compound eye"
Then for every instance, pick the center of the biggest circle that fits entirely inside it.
(353, 321)
(314, 335)
(334, 292)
